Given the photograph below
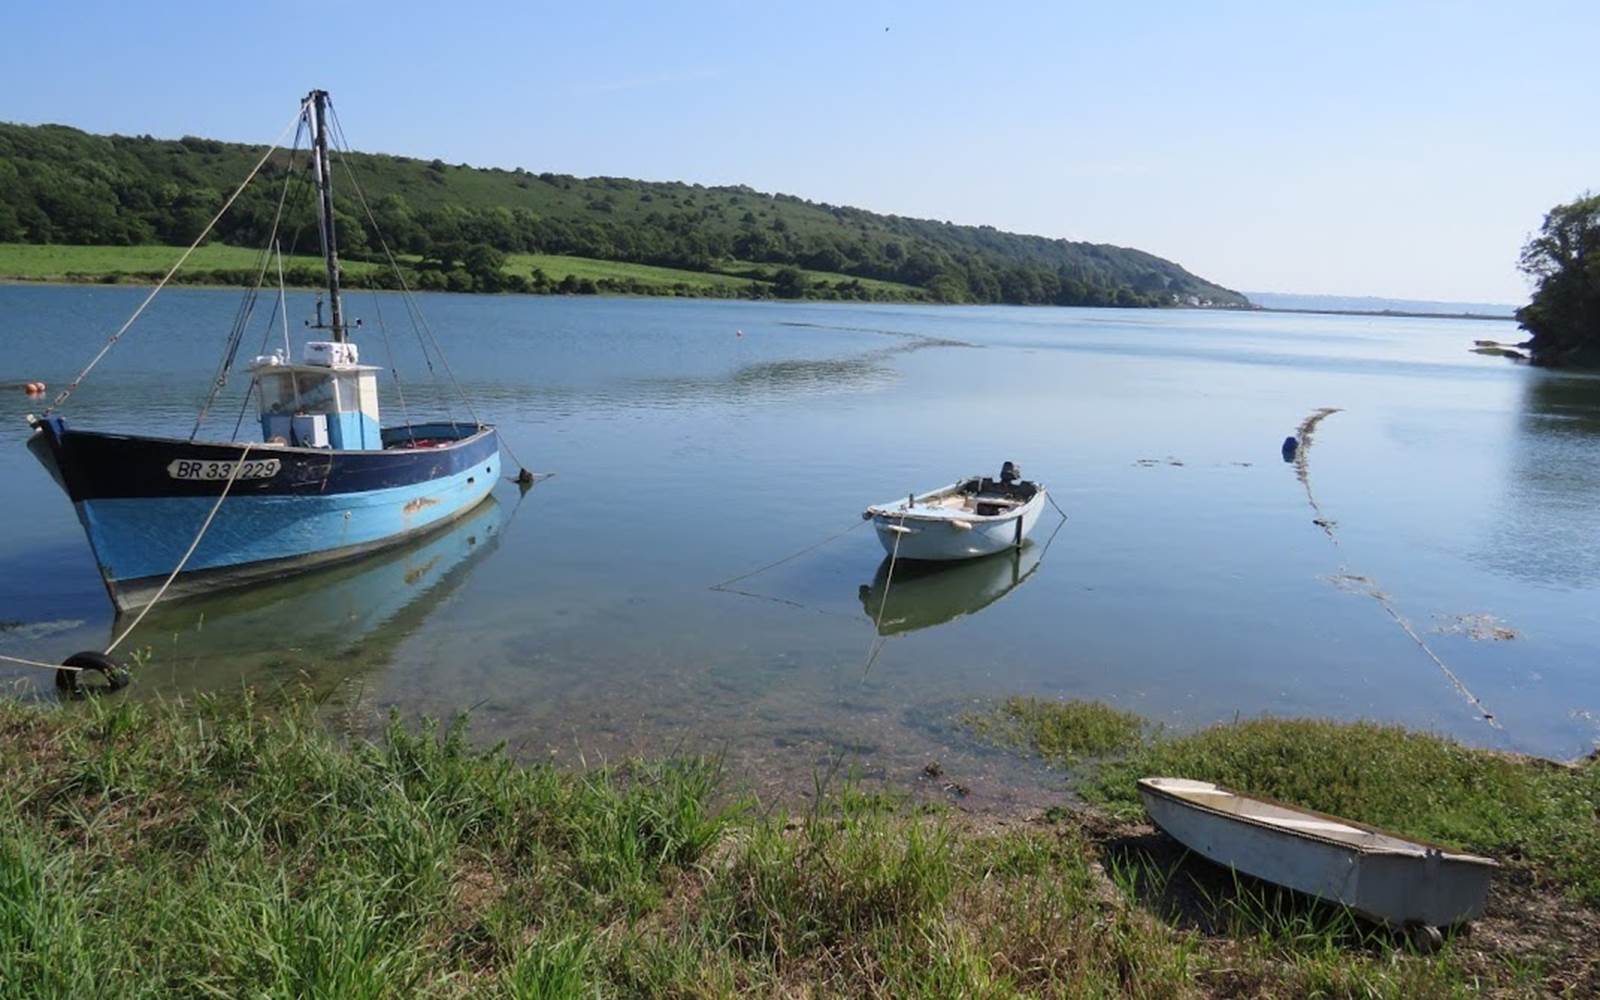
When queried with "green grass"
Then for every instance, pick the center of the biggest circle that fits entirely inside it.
(1061, 731)
(1543, 816)
(215, 263)
(217, 849)
(59, 262)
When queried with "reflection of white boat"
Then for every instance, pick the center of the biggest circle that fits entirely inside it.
(927, 594)
(975, 517)
(335, 620)
(1381, 875)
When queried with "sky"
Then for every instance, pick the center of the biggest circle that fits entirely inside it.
(1391, 149)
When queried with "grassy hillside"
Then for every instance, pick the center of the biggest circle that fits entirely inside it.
(62, 186)
(217, 263)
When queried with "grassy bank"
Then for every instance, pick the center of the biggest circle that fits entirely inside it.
(1543, 816)
(205, 850)
(217, 264)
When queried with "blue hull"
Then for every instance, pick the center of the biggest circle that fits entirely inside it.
(318, 506)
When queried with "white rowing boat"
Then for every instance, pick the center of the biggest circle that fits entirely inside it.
(971, 518)
(1383, 876)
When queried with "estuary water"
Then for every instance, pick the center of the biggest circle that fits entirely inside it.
(1447, 576)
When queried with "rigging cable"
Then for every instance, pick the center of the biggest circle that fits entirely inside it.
(247, 305)
(413, 311)
(406, 291)
(73, 385)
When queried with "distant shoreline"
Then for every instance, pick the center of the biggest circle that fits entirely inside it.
(1386, 313)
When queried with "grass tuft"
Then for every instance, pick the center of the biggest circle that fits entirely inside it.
(1062, 732)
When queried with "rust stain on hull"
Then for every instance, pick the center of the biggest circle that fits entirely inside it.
(420, 503)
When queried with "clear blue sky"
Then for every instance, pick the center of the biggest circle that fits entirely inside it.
(1346, 148)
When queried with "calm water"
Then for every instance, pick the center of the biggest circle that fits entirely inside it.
(1189, 584)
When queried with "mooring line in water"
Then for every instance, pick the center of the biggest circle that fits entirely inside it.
(878, 638)
(1302, 466)
(226, 487)
(40, 663)
(788, 558)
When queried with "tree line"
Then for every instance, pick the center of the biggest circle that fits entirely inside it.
(60, 185)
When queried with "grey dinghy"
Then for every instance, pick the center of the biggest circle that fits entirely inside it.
(1383, 876)
(975, 517)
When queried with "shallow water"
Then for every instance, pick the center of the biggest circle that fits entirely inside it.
(694, 441)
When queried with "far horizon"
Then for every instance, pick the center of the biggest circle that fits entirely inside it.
(1403, 155)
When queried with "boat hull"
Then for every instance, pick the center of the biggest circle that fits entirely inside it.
(1405, 884)
(317, 507)
(944, 539)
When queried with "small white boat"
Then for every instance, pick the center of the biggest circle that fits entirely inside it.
(1386, 877)
(971, 518)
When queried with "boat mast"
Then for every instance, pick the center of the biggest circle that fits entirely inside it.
(318, 101)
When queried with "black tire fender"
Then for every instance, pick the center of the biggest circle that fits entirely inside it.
(70, 682)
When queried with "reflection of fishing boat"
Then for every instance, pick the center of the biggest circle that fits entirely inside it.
(351, 614)
(1380, 875)
(325, 482)
(975, 517)
(928, 594)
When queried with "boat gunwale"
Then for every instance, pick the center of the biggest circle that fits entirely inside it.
(1147, 786)
(482, 429)
(879, 510)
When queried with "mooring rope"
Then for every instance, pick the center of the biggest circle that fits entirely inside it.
(878, 638)
(73, 385)
(788, 558)
(232, 476)
(1302, 465)
(37, 663)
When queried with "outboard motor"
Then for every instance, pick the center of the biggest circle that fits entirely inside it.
(1010, 472)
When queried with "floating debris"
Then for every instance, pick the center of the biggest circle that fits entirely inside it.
(1348, 581)
(1479, 627)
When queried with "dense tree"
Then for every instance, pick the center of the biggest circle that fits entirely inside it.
(59, 185)
(1564, 261)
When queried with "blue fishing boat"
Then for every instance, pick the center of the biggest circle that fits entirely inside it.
(169, 517)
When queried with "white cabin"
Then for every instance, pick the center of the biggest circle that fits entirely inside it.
(328, 400)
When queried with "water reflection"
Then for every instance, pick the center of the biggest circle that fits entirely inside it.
(1546, 532)
(926, 594)
(318, 629)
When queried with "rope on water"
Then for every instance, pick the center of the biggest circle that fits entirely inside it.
(232, 477)
(1057, 506)
(1302, 465)
(788, 558)
(38, 663)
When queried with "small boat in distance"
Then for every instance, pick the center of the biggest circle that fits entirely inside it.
(324, 482)
(971, 518)
(1383, 876)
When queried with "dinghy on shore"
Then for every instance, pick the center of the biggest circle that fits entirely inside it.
(971, 518)
(1383, 876)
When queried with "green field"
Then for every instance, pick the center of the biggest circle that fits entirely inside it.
(216, 263)
(33, 262)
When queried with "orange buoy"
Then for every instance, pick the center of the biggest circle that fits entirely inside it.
(34, 388)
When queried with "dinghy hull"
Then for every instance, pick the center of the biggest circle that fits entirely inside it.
(956, 522)
(143, 500)
(1382, 876)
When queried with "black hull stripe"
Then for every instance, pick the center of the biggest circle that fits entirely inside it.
(100, 466)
